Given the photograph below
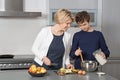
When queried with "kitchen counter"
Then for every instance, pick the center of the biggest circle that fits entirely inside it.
(51, 75)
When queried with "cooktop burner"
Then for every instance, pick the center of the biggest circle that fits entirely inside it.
(16, 62)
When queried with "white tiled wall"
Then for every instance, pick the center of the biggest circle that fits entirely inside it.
(17, 34)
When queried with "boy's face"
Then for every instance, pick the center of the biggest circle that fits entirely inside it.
(84, 26)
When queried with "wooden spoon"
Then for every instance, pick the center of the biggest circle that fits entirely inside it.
(81, 57)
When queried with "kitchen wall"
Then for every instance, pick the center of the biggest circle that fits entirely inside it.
(78, 4)
(18, 34)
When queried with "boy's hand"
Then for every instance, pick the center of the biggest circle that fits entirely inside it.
(103, 55)
(78, 52)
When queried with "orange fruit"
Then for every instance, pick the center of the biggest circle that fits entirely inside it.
(39, 69)
(30, 69)
(38, 72)
(43, 70)
(33, 66)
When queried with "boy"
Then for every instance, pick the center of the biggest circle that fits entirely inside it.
(86, 41)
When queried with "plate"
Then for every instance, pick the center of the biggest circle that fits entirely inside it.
(37, 74)
(100, 73)
(66, 71)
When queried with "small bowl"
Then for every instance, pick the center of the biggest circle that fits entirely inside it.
(89, 66)
(100, 73)
(37, 74)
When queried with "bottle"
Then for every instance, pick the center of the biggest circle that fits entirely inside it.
(99, 58)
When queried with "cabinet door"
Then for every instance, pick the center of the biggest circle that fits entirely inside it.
(112, 68)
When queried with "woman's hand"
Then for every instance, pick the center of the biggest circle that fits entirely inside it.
(46, 61)
(78, 52)
(70, 66)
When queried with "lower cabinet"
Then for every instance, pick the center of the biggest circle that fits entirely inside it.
(112, 67)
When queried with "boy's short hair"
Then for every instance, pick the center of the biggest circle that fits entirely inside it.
(82, 16)
(62, 15)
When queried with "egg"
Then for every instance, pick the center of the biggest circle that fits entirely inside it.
(80, 72)
(83, 72)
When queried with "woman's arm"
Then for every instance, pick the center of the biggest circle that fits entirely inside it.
(37, 43)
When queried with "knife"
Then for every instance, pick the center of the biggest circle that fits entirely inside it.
(54, 64)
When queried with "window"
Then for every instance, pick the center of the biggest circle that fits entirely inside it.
(92, 12)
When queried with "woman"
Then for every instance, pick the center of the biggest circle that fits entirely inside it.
(86, 41)
(52, 45)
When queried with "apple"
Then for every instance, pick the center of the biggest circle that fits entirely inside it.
(39, 69)
(33, 68)
(43, 70)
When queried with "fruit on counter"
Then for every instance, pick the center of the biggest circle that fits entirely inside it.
(75, 70)
(83, 72)
(80, 72)
(68, 71)
(62, 69)
(33, 69)
(65, 70)
(43, 70)
(37, 70)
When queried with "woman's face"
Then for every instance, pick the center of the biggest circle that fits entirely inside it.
(84, 26)
(66, 25)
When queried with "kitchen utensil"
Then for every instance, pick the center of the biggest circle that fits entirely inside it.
(81, 55)
(54, 64)
(89, 65)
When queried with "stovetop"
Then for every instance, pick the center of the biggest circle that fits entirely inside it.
(16, 62)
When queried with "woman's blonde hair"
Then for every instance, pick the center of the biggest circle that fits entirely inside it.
(62, 15)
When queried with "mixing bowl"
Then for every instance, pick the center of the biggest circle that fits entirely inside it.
(89, 65)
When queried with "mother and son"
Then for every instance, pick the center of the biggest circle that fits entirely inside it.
(52, 47)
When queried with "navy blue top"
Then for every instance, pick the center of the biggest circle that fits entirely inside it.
(88, 43)
(56, 53)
